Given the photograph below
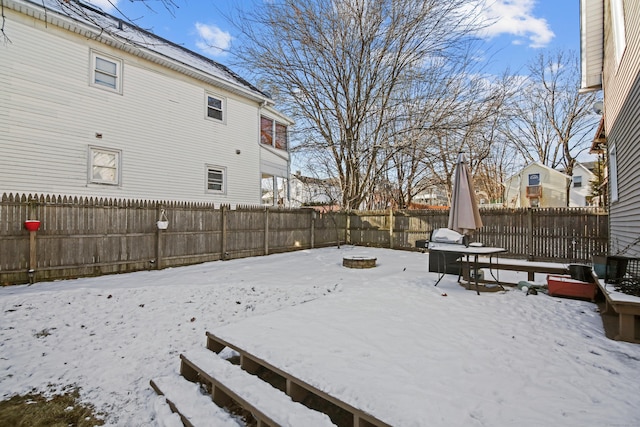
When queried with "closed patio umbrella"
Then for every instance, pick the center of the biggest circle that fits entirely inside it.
(464, 216)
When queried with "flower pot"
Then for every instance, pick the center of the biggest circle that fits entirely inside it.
(162, 225)
(32, 224)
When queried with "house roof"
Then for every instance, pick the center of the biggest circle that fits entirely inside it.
(309, 180)
(85, 19)
(530, 165)
(589, 166)
(599, 140)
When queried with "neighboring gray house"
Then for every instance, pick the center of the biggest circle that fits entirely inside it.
(125, 114)
(610, 52)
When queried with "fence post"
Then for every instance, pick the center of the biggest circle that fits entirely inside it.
(223, 240)
(266, 231)
(391, 228)
(313, 227)
(347, 231)
(159, 238)
(530, 233)
(33, 259)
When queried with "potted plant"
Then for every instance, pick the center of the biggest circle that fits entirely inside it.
(163, 221)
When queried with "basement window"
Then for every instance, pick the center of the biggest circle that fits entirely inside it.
(104, 166)
(216, 179)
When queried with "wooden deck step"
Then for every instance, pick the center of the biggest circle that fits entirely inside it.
(230, 384)
(194, 408)
(341, 413)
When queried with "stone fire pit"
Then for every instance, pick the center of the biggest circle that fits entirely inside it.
(358, 262)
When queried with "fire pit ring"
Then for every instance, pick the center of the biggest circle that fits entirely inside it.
(358, 262)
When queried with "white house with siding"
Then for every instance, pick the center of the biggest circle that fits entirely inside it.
(125, 114)
(537, 185)
(581, 183)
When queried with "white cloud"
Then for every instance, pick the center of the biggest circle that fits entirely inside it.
(212, 39)
(515, 17)
(106, 5)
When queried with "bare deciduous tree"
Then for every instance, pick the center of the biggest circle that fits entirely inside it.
(340, 64)
(550, 122)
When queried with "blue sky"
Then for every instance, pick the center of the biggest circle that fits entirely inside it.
(522, 29)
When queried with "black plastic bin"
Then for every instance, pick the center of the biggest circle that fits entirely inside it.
(444, 262)
(617, 268)
(424, 244)
(581, 272)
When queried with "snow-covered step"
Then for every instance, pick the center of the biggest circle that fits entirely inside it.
(194, 408)
(341, 412)
(268, 405)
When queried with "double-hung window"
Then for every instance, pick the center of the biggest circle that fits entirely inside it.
(104, 166)
(106, 72)
(577, 181)
(216, 182)
(215, 107)
(273, 133)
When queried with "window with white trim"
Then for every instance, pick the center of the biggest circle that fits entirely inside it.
(104, 166)
(215, 107)
(273, 133)
(216, 179)
(106, 72)
(577, 181)
(613, 171)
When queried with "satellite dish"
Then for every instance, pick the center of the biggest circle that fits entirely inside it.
(598, 107)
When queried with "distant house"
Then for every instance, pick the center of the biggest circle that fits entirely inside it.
(433, 196)
(311, 191)
(536, 185)
(580, 192)
(93, 106)
(610, 55)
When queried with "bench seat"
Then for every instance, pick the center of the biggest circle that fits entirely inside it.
(529, 267)
(627, 309)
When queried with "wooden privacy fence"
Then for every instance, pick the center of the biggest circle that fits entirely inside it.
(539, 234)
(93, 236)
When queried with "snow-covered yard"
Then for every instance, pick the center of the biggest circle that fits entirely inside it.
(384, 339)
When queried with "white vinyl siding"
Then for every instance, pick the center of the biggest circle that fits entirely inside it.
(56, 119)
(591, 43)
(619, 33)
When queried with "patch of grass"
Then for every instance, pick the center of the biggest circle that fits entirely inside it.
(62, 410)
